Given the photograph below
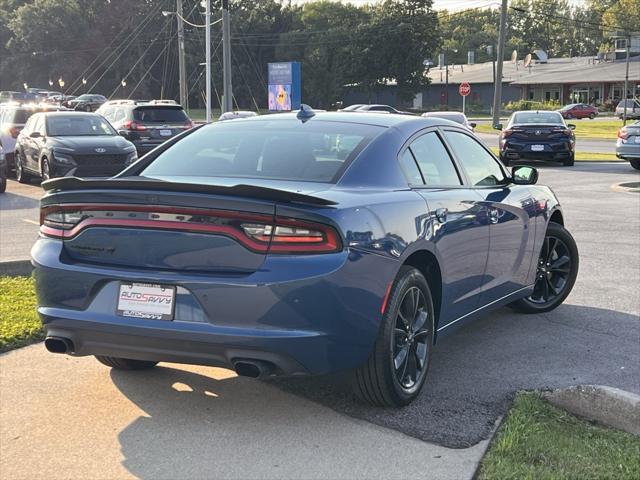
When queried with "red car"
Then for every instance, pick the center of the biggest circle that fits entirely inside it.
(578, 110)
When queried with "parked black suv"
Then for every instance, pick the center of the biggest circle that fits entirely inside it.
(89, 102)
(57, 144)
(146, 124)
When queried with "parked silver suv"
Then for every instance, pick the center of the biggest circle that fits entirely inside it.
(633, 108)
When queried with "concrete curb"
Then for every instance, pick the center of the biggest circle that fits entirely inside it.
(16, 268)
(607, 405)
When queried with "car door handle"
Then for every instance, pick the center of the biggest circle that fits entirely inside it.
(494, 215)
(441, 214)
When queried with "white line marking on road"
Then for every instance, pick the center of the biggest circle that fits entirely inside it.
(28, 220)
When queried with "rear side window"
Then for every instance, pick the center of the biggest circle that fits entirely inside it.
(281, 149)
(434, 161)
(160, 115)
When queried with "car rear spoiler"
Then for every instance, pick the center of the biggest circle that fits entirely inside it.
(144, 183)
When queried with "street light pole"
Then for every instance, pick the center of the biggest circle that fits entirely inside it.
(208, 58)
(227, 99)
(182, 69)
(626, 83)
(497, 93)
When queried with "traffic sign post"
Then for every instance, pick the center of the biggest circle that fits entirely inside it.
(464, 89)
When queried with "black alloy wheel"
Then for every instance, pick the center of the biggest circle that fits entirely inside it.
(556, 272)
(397, 367)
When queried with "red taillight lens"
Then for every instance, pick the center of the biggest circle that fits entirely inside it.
(14, 132)
(506, 133)
(188, 125)
(133, 125)
(256, 232)
(623, 133)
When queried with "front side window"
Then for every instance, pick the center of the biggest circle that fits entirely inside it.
(277, 149)
(78, 125)
(482, 169)
(434, 161)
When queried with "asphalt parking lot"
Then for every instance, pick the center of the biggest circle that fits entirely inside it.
(193, 421)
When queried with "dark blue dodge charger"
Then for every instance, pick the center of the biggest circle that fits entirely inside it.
(298, 244)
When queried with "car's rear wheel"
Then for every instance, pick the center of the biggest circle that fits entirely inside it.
(556, 272)
(398, 364)
(125, 363)
(570, 161)
(635, 164)
(21, 175)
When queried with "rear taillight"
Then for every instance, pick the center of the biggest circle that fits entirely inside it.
(133, 125)
(14, 132)
(506, 133)
(623, 133)
(188, 124)
(256, 232)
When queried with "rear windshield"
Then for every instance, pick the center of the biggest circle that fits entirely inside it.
(21, 116)
(281, 149)
(78, 125)
(160, 115)
(537, 117)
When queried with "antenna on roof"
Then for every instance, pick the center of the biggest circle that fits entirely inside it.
(305, 113)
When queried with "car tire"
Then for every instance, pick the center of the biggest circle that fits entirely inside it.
(569, 162)
(559, 249)
(635, 164)
(391, 378)
(21, 175)
(592, 116)
(125, 363)
(3, 184)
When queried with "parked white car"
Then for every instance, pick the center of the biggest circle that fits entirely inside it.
(457, 117)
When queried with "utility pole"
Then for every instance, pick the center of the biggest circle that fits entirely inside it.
(497, 93)
(227, 98)
(207, 49)
(626, 83)
(182, 69)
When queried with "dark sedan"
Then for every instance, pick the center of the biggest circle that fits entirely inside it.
(89, 102)
(578, 111)
(541, 135)
(298, 244)
(55, 144)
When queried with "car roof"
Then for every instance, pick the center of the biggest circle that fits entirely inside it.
(390, 120)
(66, 113)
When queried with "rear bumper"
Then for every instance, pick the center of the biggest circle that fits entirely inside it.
(304, 315)
(628, 151)
(553, 152)
(145, 146)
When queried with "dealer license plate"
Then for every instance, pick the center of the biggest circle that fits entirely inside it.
(165, 133)
(537, 148)
(146, 300)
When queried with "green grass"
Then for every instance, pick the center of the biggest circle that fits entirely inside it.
(607, 129)
(19, 323)
(539, 441)
(582, 156)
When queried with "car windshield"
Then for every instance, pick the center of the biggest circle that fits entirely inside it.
(537, 118)
(276, 149)
(160, 115)
(78, 126)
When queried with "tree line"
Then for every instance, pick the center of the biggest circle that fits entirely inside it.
(127, 48)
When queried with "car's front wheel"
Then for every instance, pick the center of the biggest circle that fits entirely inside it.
(21, 175)
(556, 272)
(592, 116)
(125, 363)
(635, 164)
(397, 366)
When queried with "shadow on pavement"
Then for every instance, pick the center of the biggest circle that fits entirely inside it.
(475, 372)
(11, 201)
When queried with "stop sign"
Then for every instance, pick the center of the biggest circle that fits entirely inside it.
(464, 89)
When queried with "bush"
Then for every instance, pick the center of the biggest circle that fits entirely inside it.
(531, 105)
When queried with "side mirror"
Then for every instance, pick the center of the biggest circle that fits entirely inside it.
(571, 126)
(497, 126)
(473, 124)
(524, 175)
(35, 135)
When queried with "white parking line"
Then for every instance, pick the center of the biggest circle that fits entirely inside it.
(28, 220)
